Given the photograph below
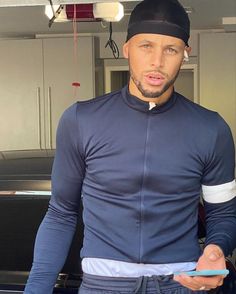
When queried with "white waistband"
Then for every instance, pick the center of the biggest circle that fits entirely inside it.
(115, 268)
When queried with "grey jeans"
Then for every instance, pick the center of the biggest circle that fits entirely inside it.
(143, 285)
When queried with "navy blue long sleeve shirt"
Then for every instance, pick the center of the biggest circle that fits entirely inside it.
(140, 173)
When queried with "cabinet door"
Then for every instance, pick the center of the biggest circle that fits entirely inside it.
(61, 69)
(218, 75)
(21, 91)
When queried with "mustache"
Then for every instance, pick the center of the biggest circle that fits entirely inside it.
(156, 71)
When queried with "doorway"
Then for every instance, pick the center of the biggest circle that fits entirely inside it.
(116, 77)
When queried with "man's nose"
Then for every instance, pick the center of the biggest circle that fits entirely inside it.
(157, 58)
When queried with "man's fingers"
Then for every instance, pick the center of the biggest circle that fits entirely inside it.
(213, 252)
(196, 283)
(188, 282)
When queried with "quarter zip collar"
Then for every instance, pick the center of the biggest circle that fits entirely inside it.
(143, 106)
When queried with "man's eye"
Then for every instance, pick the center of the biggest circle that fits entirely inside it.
(146, 46)
(171, 51)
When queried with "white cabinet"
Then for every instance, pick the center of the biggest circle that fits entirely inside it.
(218, 75)
(60, 71)
(36, 87)
(21, 85)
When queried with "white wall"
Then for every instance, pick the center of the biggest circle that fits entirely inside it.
(218, 75)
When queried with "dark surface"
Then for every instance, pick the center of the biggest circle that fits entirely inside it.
(26, 168)
(26, 173)
(20, 217)
(19, 289)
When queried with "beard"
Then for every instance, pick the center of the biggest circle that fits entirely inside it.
(153, 94)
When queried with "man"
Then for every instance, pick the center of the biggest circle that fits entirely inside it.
(140, 157)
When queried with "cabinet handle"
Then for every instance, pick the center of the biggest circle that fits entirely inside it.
(49, 118)
(39, 118)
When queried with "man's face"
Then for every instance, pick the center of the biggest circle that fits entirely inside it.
(154, 62)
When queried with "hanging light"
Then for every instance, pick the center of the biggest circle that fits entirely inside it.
(50, 10)
(110, 11)
(56, 12)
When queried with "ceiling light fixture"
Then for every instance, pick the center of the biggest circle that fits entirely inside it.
(56, 13)
(50, 10)
(110, 12)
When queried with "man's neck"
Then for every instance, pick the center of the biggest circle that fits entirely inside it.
(157, 100)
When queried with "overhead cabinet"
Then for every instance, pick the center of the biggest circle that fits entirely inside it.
(36, 87)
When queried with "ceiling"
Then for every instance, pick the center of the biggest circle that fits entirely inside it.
(26, 18)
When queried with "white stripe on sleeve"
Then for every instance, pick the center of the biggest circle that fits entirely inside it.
(219, 193)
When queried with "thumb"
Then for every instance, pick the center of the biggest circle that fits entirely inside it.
(213, 252)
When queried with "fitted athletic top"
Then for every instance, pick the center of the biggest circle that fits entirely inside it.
(140, 172)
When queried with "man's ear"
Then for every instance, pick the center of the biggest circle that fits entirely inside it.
(187, 51)
(126, 50)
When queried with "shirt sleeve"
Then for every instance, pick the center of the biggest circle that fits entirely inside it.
(56, 231)
(219, 191)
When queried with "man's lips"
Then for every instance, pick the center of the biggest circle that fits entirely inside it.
(154, 79)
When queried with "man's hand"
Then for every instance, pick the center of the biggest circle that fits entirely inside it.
(212, 258)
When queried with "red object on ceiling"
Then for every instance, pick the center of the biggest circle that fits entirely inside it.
(82, 12)
(76, 84)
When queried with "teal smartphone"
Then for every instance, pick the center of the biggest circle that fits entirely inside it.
(223, 272)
